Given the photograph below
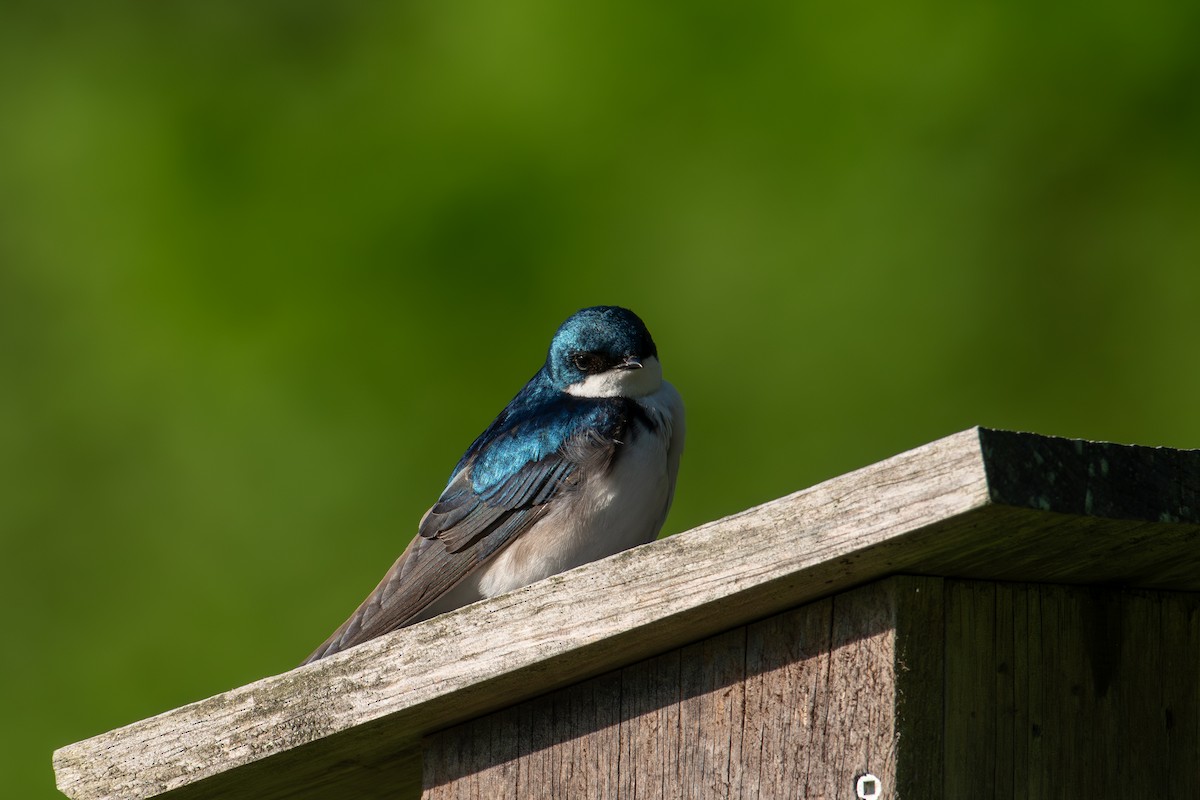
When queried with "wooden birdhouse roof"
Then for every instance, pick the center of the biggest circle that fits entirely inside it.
(981, 504)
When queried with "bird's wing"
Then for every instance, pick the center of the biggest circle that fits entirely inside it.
(474, 518)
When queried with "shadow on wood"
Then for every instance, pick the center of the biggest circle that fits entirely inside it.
(1031, 687)
(795, 705)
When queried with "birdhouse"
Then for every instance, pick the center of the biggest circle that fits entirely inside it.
(991, 615)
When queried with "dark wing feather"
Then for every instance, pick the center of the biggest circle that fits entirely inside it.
(466, 527)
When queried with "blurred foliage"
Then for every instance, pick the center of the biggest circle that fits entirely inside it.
(267, 268)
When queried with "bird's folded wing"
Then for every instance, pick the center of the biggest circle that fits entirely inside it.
(464, 529)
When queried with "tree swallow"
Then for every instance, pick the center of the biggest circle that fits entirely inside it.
(580, 465)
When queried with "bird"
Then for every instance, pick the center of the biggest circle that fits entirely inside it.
(580, 464)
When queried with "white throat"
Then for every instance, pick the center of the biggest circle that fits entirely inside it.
(618, 382)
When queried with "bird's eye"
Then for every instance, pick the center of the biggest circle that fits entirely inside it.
(588, 362)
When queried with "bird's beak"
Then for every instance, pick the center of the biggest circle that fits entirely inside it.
(631, 362)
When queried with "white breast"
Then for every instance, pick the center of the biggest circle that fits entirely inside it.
(604, 515)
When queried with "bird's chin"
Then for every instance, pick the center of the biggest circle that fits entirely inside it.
(621, 381)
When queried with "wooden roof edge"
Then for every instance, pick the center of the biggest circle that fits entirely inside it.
(1097, 479)
(980, 503)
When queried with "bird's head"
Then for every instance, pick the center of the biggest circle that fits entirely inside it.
(604, 351)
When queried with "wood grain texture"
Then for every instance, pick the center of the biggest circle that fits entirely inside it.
(1064, 691)
(940, 688)
(979, 504)
(794, 706)
(712, 716)
(919, 687)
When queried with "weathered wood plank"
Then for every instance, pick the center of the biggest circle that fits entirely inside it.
(858, 722)
(1004, 695)
(649, 727)
(711, 715)
(920, 686)
(788, 667)
(1181, 688)
(1026, 660)
(333, 726)
(970, 689)
(1062, 690)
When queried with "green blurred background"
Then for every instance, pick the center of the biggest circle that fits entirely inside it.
(266, 269)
